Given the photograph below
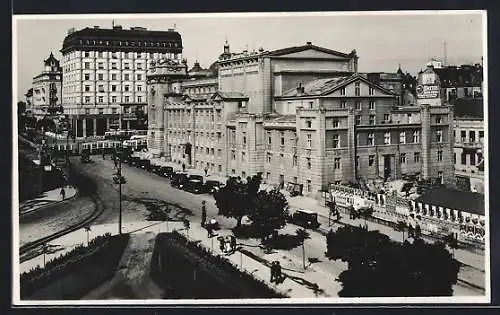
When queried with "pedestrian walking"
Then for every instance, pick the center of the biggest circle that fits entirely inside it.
(103, 154)
(183, 167)
(209, 230)
(203, 213)
(63, 193)
(273, 272)
(279, 276)
(233, 243)
(206, 171)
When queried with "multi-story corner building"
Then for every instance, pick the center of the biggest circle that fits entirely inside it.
(469, 144)
(104, 73)
(47, 87)
(301, 115)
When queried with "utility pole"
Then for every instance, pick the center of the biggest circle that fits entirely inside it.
(120, 192)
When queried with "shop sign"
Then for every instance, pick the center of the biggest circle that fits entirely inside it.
(427, 91)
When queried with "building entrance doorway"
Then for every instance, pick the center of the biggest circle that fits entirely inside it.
(387, 166)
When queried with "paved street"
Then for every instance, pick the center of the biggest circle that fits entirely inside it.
(144, 190)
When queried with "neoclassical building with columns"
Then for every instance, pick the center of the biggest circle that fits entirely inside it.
(301, 115)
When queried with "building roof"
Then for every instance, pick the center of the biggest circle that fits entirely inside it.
(469, 108)
(78, 39)
(465, 75)
(466, 201)
(328, 85)
(294, 49)
(281, 119)
(51, 60)
(230, 95)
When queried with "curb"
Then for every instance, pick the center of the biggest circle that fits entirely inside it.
(26, 213)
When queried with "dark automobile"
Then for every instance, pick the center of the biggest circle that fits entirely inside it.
(134, 161)
(306, 219)
(165, 171)
(213, 186)
(156, 169)
(194, 185)
(145, 164)
(178, 180)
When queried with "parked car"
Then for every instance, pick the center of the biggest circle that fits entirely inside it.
(166, 171)
(305, 218)
(134, 161)
(213, 186)
(194, 186)
(145, 164)
(178, 180)
(213, 223)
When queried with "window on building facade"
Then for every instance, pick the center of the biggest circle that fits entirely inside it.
(113, 99)
(357, 120)
(416, 157)
(282, 158)
(113, 110)
(139, 77)
(439, 135)
(86, 54)
(463, 135)
(294, 160)
(357, 105)
(438, 119)
(100, 99)
(126, 88)
(336, 122)
(336, 163)
(342, 91)
(101, 111)
(126, 66)
(386, 117)
(244, 138)
(440, 176)
(139, 99)
(113, 55)
(100, 66)
(463, 158)
(371, 139)
(100, 76)
(282, 138)
(269, 157)
(86, 76)
(309, 186)
(416, 136)
(370, 91)
(127, 99)
(308, 162)
(309, 140)
(219, 152)
(139, 66)
(126, 77)
(233, 155)
(269, 138)
(481, 135)
(473, 159)
(336, 141)
(311, 105)
(371, 160)
(308, 124)
(113, 66)
(387, 138)
(454, 158)
(357, 89)
(113, 76)
(87, 111)
(402, 137)
(440, 156)
(343, 104)
(402, 158)
(372, 119)
(113, 88)
(87, 88)
(472, 136)
(101, 88)
(87, 99)
(372, 105)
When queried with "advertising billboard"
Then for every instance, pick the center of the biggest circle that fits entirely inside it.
(427, 91)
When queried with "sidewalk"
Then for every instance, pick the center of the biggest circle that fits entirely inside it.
(259, 269)
(45, 199)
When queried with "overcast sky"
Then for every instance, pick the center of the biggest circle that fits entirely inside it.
(381, 41)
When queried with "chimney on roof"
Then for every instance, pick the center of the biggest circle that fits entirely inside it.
(300, 89)
(117, 27)
(309, 43)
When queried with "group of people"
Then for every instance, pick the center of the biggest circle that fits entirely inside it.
(227, 244)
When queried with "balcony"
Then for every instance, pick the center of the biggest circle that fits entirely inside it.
(471, 145)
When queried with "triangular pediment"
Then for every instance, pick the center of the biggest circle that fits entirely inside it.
(309, 51)
(364, 84)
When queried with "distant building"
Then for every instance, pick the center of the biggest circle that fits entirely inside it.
(301, 115)
(29, 101)
(469, 144)
(47, 87)
(104, 74)
(460, 81)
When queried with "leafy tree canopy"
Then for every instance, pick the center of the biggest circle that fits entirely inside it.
(270, 211)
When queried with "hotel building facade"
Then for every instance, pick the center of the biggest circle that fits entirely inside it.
(104, 74)
(46, 90)
(301, 115)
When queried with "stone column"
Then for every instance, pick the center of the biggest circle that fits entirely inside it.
(94, 125)
(84, 127)
(128, 124)
(107, 124)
